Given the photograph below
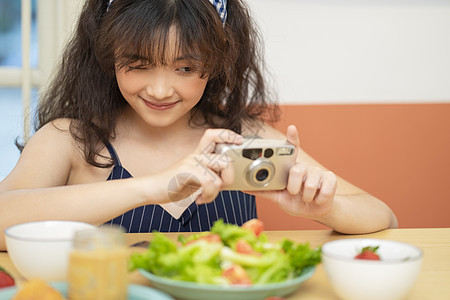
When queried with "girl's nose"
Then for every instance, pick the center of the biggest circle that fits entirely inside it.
(160, 85)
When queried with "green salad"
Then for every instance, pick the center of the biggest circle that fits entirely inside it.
(228, 254)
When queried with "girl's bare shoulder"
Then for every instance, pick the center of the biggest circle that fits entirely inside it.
(261, 130)
(61, 125)
(53, 135)
(47, 157)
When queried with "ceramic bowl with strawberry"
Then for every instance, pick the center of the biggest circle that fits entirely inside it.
(371, 269)
(41, 249)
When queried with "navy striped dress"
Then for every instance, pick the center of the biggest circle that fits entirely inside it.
(233, 207)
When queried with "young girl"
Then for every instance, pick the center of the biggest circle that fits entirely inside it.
(145, 91)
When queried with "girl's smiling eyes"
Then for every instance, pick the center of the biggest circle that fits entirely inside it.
(136, 67)
(181, 67)
(185, 69)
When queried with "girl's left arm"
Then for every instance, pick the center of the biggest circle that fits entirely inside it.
(316, 193)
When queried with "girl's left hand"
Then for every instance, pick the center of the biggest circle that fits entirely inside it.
(310, 190)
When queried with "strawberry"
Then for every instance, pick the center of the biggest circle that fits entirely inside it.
(210, 238)
(368, 253)
(237, 275)
(254, 225)
(242, 246)
(5, 279)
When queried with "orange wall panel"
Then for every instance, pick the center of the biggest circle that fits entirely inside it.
(400, 153)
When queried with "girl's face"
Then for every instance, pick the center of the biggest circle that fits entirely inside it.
(161, 95)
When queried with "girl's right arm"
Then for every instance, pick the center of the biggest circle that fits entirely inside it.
(37, 187)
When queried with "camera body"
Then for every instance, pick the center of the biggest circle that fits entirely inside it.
(258, 164)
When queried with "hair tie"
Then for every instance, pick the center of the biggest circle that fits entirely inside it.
(220, 6)
(109, 4)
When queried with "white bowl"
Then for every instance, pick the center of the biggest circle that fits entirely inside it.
(41, 249)
(388, 279)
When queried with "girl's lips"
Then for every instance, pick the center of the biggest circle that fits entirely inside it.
(160, 106)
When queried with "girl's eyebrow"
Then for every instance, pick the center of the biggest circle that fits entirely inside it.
(189, 58)
(131, 58)
(134, 57)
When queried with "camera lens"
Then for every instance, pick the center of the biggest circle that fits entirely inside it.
(268, 153)
(262, 174)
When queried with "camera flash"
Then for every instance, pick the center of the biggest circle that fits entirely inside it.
(284, 151)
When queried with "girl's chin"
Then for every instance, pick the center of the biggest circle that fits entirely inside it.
(166, 121)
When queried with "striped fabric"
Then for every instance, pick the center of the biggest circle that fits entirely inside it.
(233, 207)
(221, 8)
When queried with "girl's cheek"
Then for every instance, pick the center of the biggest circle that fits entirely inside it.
(129, 82)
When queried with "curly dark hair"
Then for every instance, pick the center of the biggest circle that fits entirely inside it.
(85, 88)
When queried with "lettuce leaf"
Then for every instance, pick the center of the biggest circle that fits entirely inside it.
(203, 257)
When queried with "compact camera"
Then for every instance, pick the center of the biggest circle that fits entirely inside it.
(258, 164)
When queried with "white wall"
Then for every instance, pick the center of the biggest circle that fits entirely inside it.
(57, 20)
(348, 51)
(357, 51)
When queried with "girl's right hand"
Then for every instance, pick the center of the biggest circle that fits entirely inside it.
(202, 171)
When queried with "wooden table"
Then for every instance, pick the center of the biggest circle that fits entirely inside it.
(433, 281)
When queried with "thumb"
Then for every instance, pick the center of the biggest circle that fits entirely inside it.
(292, 136)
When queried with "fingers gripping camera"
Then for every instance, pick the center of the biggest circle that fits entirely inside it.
(258, 164)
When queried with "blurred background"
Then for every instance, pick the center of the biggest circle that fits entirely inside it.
(32, 34)
(367, 82)
(10, 96)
